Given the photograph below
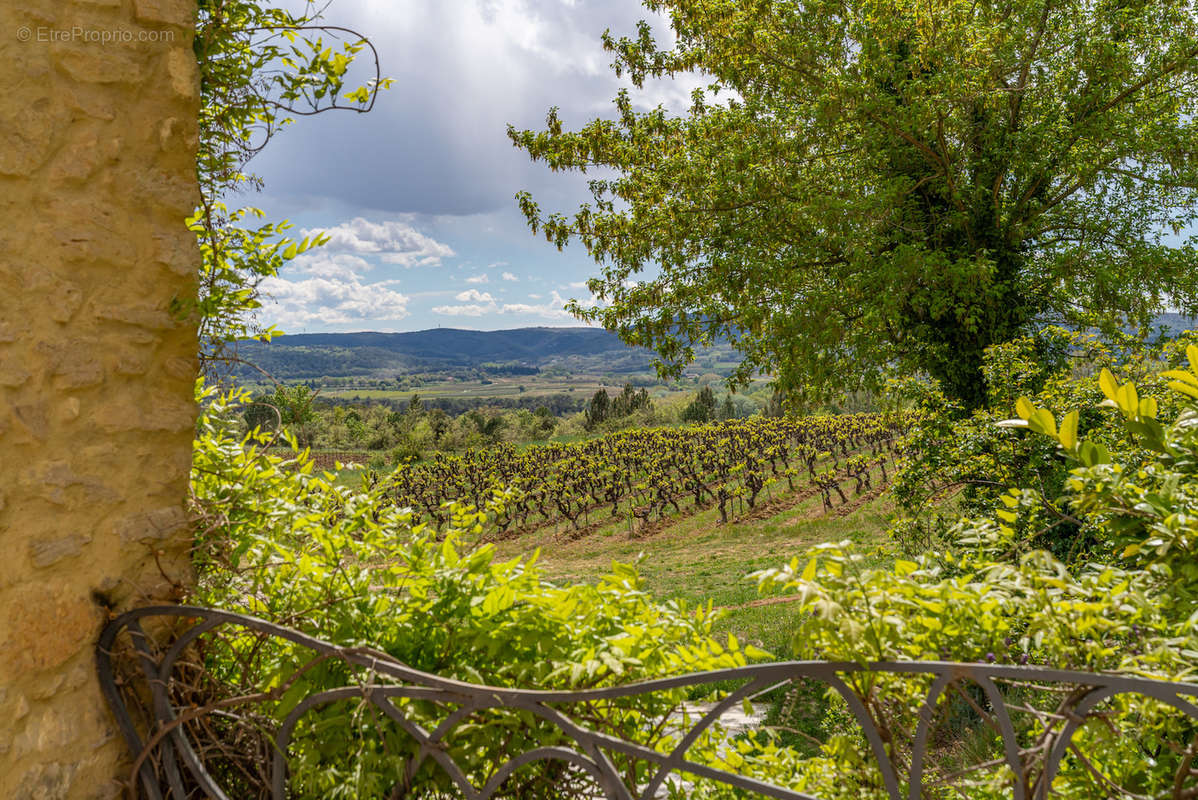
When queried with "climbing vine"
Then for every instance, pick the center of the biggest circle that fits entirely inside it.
(260, 68)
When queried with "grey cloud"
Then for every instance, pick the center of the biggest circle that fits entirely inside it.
(435, 143)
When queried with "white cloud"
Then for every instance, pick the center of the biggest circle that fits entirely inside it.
(478, 279)
(330, 301)
(507, 276)
(394, 241)
(553, 308)
(334, 266)
(470, 310)
(477, 304)
(576, 285)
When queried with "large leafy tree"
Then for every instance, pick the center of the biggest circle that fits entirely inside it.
(868, 184)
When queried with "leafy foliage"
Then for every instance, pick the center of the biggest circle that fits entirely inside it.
(258, 66)
(1130, 604)
(280, 541)
(601, 408)
(972, 459)
(702, 408)
(878, 183)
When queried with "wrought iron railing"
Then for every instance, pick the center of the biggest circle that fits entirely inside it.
(141, 674)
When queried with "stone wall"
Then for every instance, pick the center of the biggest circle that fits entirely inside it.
(98, 104)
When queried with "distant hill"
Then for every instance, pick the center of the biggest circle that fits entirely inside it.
(1176, 323)
(580, 350)
(311, 355)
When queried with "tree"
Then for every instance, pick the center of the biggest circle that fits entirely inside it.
(702, 408)
(728, 408)
(598, 409)
(869, 184)
(629, 401)
(415, 406)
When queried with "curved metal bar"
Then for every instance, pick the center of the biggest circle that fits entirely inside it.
(541, 754)
(870, 730)
(402, 681)
(437, 734)
(163, 712)
(421, 735)
(927, 713)
(1080, 709)
(178, 739)
(1007, 728)
(124, 720)
(683, 746)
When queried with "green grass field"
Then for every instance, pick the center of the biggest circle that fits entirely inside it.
(505, 387)
(581, 385)
(698, 560)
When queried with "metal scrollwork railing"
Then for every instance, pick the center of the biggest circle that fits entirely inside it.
(145, 677)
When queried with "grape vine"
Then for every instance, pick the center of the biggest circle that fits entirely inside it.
(647, 476)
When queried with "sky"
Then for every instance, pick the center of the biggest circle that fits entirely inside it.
(418, 195)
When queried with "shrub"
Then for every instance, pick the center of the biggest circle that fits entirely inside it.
(280, 541)
(1133, 608)
(971, 460)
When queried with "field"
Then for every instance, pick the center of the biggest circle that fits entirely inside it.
(698, 560)
(698, 508)
(582, 386)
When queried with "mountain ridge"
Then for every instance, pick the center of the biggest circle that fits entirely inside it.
(306, 355)
(364, 353)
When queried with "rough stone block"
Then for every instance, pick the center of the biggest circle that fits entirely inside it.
(88, 62)
(152, 526)
(78, 371)
(46, 782)
(184, 74)
(166, 12)
(64, 300)
(132, 362)
(56, 482)
(154, 317)
(29, 129)
(50, 624)
(33, 420)
(13, 376)
(50, 551)
(160, 412)
(182, 368)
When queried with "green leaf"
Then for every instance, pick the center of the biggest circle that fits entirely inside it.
(1068, 435)
(1128, 399)
(1108, 384)
(1042, 421)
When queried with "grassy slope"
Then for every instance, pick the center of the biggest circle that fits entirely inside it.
(698, 560)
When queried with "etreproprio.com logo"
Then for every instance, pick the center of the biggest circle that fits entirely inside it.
(102, 36)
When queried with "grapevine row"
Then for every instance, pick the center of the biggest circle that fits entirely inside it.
(645, 474)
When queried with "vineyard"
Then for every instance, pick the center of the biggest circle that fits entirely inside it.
(642, 478)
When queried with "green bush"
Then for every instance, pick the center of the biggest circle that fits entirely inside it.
(960, 464)
(994, 598)
(280, 541)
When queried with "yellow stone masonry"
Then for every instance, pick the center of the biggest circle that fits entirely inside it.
(98, 104)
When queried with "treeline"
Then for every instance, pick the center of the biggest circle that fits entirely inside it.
(399, 431)
(557, 404)
(402, 434)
